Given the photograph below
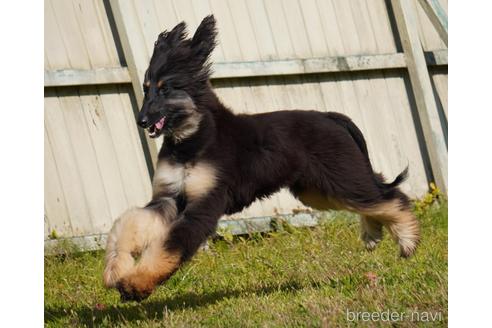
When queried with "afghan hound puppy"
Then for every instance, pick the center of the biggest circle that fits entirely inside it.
(214, 162)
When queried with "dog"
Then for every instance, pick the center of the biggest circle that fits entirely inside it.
(214, 162)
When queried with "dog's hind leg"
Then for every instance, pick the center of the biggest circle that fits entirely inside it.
(396, 216)
(371, 231)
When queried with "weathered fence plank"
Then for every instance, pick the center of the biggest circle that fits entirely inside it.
(228, 70)
(437, 16)
(422, 88)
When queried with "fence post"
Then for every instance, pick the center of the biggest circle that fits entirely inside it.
(406, 21)
(437, 16)
(134, 50)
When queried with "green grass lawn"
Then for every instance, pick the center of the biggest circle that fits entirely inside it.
(296, 277)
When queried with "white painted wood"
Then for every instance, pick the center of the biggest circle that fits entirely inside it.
(381, 112)
(54, 48)
(440, 80)
(88, 23)
(135, 144)
(429, 36)
(166, 15)
(437, 17)
(332, 34)
(127, 146)
(185, 12)
(66, 165)
(381, 26)
(343, 17)
(262, 31)
(309, 65)
(296, 29)
(105, 156)
(279, 28)
(244, 30)
(86, 160)
(107, 35)
(410, 152)
(424, 96)
(68, 77)
(397, 108)
(136, 55)
(120, 75)
(56, 212)
(71, 34)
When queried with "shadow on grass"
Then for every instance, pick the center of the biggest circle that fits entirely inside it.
(156, 309)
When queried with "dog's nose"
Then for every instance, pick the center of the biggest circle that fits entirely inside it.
(143, 121)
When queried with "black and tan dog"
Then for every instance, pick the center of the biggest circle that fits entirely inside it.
(215, 162)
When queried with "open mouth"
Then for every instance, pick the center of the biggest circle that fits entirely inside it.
(155, 129)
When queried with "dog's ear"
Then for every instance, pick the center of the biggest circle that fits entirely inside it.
(204, 40)
(177, 34)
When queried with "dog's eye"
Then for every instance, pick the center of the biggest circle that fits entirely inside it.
(165, 89)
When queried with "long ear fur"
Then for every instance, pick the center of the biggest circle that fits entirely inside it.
(204, 40)
(177, 35)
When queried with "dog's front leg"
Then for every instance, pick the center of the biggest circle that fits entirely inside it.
(198, 222)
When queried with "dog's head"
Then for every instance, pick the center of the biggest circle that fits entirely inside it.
(176, 79)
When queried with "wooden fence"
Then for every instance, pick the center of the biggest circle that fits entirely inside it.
(363, 58)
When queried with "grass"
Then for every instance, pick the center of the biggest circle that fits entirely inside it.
(296, 277)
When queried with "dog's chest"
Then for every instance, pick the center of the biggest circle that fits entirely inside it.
(173, 179)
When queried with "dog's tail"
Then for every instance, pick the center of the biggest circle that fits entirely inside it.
(359, 139)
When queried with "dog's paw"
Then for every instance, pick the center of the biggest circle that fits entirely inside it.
(135, 287)
(370, 244)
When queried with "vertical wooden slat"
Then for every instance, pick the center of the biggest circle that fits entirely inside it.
(262, 31)
(56, 212)
(88, 22)
(437, 17)
(428, 34)
(377, 111)
(397, 106)
(127, 148)
(441, 84)
(106, 160)
(166, 14)
(66, 163)
(107, 35)
(331, 29)
(71, 34)
(296, 29)
(279, 28)
(54, 47)
(244, 30)
(87, 161)
(136, 55)
(136, 145)
(422, 88)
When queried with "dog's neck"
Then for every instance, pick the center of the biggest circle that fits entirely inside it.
(191, 147)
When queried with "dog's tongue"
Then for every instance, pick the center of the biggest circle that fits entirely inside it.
(160, 124)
